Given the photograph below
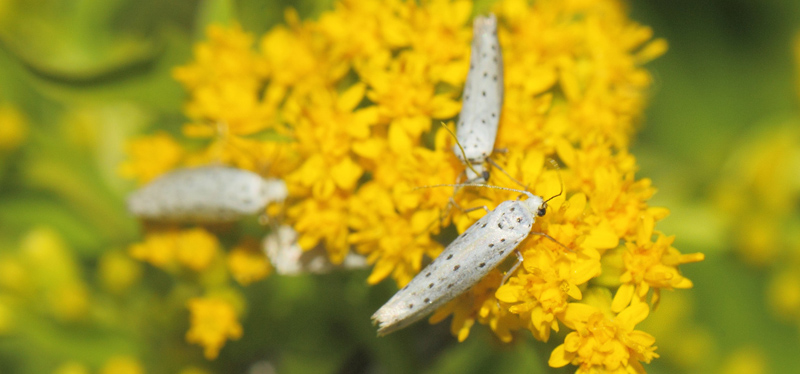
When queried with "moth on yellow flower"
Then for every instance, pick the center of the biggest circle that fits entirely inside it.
(358, 101)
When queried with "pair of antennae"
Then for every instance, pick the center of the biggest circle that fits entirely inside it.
(469, 165)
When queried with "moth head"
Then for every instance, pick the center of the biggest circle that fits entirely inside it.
(542, 210)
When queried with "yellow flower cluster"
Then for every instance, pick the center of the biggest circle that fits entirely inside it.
(199, 250)
(247, 264)
(151, 156)
(361, 97)
(193, 248)
(13, 127)
(757, 195)
(44, 270)
(213, 321)
(602, 344)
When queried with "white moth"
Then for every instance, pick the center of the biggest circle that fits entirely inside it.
(206, 194)
(482, 99)
(464, 262)
(288, 258)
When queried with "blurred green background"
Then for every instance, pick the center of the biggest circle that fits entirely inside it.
(85, 75)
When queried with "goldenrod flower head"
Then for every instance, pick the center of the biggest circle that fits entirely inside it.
(542, 294)
(649, 265)
(603, 344)
(225, 82)
(213, 321)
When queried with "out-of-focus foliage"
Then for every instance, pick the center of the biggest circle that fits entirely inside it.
(79, 78)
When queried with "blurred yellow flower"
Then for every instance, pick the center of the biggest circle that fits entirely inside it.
(212, 322)
(122, 365)
(7, 320)
(746, 360)
(53, 272)
(247, 264)
(225, 85)
(13, 127)
(72, 368)
(151, 156)
(69, 301)
(193, 248)
(783, 293)
(118, 271)
(196, 248)
(158, 248)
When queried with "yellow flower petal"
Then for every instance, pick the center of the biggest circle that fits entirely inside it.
(560, 357)
(346, 173)
(622, 298)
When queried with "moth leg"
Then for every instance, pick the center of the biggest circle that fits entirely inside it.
(511, 271)
(466, 211)
(513, 268)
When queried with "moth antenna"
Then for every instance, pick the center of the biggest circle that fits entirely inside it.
(561, 181)
(526, 193)
(489, 160)
(460, 148)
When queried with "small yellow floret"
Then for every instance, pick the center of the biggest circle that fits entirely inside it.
(213, 321)
(248, 265)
